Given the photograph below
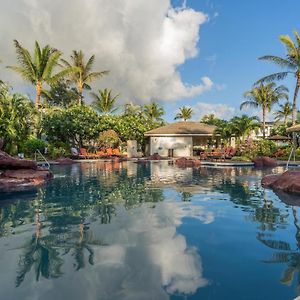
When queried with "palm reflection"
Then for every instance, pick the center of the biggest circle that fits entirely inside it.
(62, 214)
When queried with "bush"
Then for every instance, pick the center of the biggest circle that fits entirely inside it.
(109, 139)
(33, 144)
(59, 149)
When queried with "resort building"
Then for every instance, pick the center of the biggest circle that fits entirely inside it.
(181, 139)
(258, 134)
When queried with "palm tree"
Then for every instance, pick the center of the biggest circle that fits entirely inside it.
(284, 112)
(211, 119)
(291, 64)
(242, 126)
(153, 112)
(264, 96)
(84, 74)
(185, 113)
(131, 110)
(104, 102)
(39, 67)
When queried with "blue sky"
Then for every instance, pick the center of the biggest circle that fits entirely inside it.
(237, 33)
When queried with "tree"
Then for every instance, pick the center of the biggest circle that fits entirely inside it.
(153, 112)
(131, 110)
(104, 102)
(211, 119)
(242, 126)
(60, 94)
(84, 75)
(284, 113)
(264, 96)
(16, 119)
(291, 64)
(185, 113)
(39, 67)
(74, 125)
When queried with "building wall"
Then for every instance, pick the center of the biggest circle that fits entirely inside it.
(182, 146)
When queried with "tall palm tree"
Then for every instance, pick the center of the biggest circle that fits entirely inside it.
(154, 112)
(84, 75)
(185, 113)
(131, 110)
(104, 102)
(291, 64)
(264, 96)
(39, 67)
(284, 112)
(242, 126)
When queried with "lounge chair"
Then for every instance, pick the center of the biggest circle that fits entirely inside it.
(83, 153)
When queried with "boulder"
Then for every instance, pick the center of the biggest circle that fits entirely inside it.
(9, 162)
(288, 182)
(16, 180)
(264, 162)
(154, 156)
(184, 162)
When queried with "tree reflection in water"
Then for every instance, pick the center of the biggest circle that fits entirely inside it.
(63, 211)
(253, 199)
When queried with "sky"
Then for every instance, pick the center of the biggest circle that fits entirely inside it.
(198, 53)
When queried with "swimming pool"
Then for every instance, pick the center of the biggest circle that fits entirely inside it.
(105, 230)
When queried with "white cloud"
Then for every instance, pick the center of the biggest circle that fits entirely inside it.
(220, 110)
(142, 43)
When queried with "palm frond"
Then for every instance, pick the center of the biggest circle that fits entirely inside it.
(282, 62)
(274, 77)
(95, 75)
(287, 41)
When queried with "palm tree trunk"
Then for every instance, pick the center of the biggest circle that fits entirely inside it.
(80, 91)
(294, 116)
(264, 122)
(38, 94)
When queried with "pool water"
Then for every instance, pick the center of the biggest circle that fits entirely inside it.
(107, 230)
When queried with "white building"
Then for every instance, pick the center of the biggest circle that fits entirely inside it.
(181, 139)
(258, 133)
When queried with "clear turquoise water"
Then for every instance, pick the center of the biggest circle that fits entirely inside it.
(152, 231)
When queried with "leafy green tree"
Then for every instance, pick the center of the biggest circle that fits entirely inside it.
(74, 125)
(264, 96)
(153, 112)
(16, 119)
(291, 64)
(127, 127)
(184, 113)
(284, 113)
(60, 94)
(242, 126)
(104, 102)
(39, 68)
(84, 74)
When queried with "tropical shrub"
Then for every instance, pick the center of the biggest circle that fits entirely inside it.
(33, 144)
(17, 115)
(59, 149)
(109, 139)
